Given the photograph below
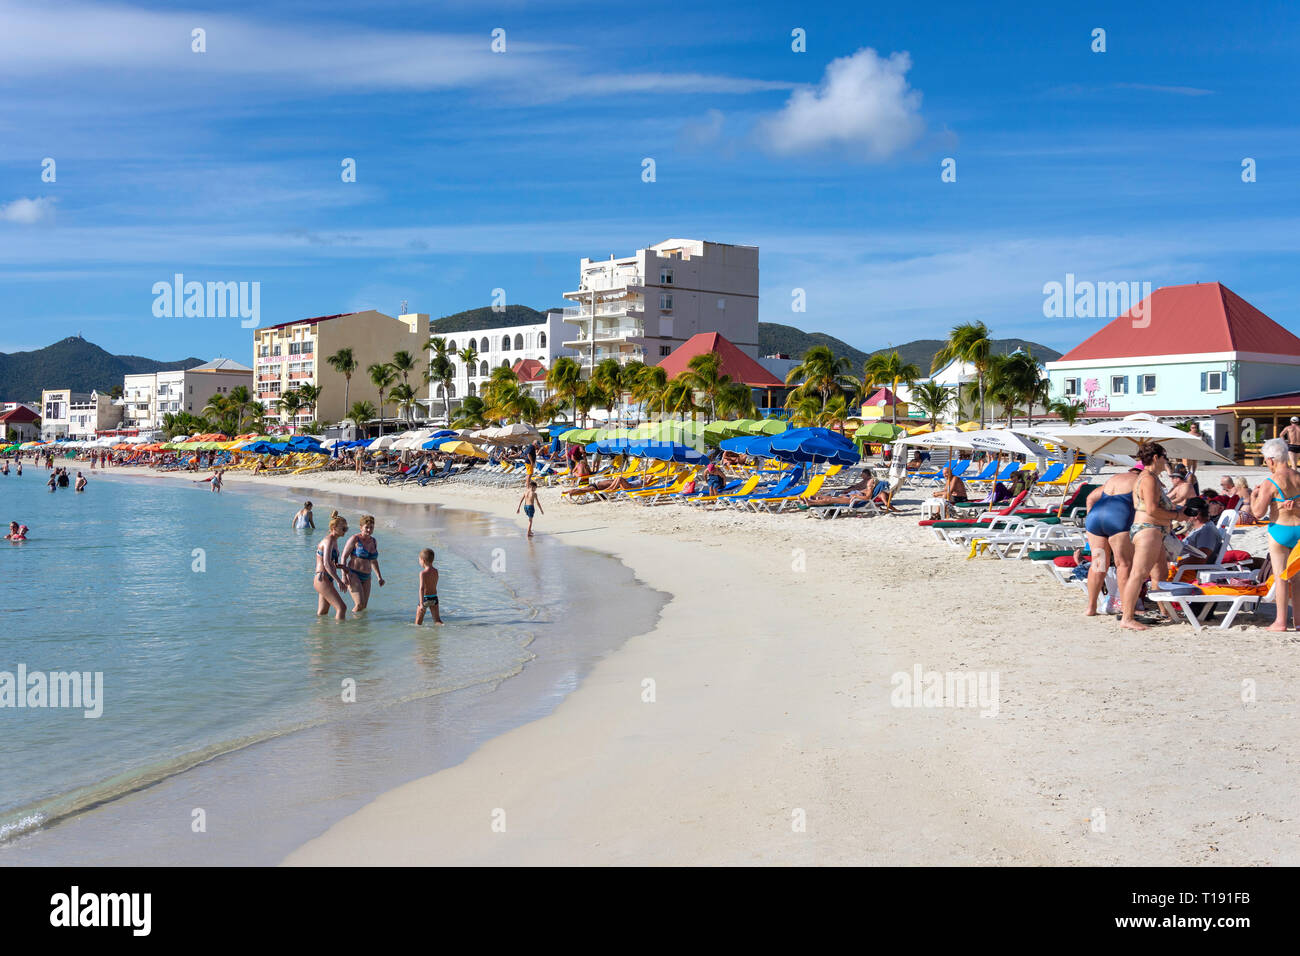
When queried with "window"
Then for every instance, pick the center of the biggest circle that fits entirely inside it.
(1071, 387)
(541, 340)
(505, 363)
(451, 346)
(483, 345)
(451, 367)
(505, 343)
(472, 389)
(665, 301)
(1119, 384)
(665, 276)
(308, 348)
(1211, 381)
(483, 369)
(665, 350)
(295, 348)
(519, 342)
(264, 351)
(722, 303)
(1146, 384)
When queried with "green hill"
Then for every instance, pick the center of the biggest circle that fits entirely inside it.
(794, 342)
(72, 363)
(485, 318)
(787, 340)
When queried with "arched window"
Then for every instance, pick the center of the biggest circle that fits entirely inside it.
(440, 391)
(452, 393)
(453, 369)
(471, 388)
(541, 340)
(483, 371)
(505, 363)
(483, 345)
(451, 346)
(505, 343)
(519, 342)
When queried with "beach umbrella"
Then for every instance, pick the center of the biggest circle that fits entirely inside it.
(517, 434)
(1123, 437)
(1005, 440)
(920, 429)
(770, 426)
(461, 447)
(579, 436)
(384, 441)
(758, 446)
(968, 427)
(814, 444)
(880, 431)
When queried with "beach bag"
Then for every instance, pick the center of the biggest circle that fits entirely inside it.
(1113, 603)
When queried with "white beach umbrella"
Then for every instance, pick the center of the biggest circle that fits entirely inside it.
(1007, 440)
(516, 434)
(1123, 436)
(382, 443)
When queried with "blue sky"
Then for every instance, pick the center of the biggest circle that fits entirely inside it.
(478, 170)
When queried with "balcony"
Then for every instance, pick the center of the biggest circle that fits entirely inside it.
(603, 281)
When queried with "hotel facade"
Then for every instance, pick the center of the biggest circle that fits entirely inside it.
(642, 307)
(76, 415)
(292, 354)
(148, 397)
(507, 345)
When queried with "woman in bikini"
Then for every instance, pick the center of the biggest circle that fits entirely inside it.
(1110, 515)
(1152, 516)
(1278, 496)
(361, 557)
(329, 571)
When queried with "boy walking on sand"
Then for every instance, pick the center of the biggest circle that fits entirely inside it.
(428, 588)
(530, 504)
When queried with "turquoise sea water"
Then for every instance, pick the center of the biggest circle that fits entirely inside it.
(223, 691)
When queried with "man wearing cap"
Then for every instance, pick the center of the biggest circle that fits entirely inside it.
(1182, 489)
(1291, 435)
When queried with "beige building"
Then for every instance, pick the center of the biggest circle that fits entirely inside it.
(69, 414)
(640, 308)
(293, 354)
(149, 396)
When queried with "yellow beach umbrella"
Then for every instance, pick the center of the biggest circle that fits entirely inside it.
(920, 430)
(968, 427)
(461, 448)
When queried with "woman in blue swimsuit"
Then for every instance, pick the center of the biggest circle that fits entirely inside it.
(361, 556)
(1110, 515)
(328, 570)
(1278, 496)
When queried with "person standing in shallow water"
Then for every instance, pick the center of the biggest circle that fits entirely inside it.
(361, 558)
(529, 504)
(329, 572)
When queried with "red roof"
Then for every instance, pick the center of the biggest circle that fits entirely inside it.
(530, 370)
(319, 318)
(735, 363)
(882, 397)
(1184, 319)
(19, 416)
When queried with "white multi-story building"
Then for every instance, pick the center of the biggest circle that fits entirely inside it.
(149, 396)
(541, 341)
(79, 415)
(642, 307)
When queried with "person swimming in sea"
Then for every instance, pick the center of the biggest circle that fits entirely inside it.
(428, 588)
(361, 558)
(17, 532)
(53, 483)
(81, 482)
(329, 572)
(303, 519)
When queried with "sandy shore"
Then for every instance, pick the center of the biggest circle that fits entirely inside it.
(772, 739)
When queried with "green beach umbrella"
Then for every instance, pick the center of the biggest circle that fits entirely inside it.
(882, 431)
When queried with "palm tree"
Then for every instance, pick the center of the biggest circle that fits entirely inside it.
(1068, 410)
(704, 374)
(889, 367)
(310, 397)
(246, 409)
(471, 413)
(403, 364)
(933, 399)
(564, 381)
(469, 355)
(288, 406)
(968, 343)
(220, 411)
(649, 386)
(736, 400)
(821, 372)
(345, 363)
(404, 396)
(442, 371)
(1013, 379)
(679, 397)
(608, 377)
(501, 393)
(382, 377)
(361, 412)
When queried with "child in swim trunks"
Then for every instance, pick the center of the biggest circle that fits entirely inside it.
(428, 588)
(530, 504)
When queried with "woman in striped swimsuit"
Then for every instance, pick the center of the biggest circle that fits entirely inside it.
(1152, 516)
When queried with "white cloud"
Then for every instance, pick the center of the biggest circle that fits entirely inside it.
(27, 211)
(863, 106)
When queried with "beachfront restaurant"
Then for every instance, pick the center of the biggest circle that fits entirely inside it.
(1259, 419)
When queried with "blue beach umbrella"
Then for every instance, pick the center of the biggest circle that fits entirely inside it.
(759, 446)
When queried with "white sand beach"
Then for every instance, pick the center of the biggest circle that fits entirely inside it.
(772, 668)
